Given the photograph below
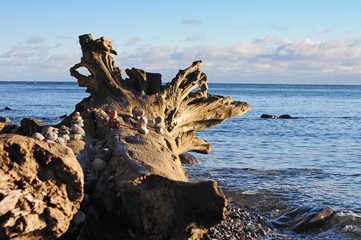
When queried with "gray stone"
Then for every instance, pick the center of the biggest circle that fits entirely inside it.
(38, 136)
(76, 129)
(99, 164)
(188, 158)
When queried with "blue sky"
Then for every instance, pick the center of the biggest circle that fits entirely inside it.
(238, 41)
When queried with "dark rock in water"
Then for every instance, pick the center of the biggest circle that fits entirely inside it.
(4, 119)
(7, 108)
(188, 158)
(286, 116)
(268, 116)
(63, 116)
(304, 219)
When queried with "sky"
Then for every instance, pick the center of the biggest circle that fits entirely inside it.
(238, 41)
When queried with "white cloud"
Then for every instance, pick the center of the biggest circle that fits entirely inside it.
(326, 31)
(266, 39)
(191, 22)
(194, 38)
(133, 41)
(36, 62)
(35, 40)
(278, 28)
(337, 58)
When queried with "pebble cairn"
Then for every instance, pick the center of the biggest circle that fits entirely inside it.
(63, 134)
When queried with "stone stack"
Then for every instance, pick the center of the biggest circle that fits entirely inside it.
(142, 125)
(76, 130)
(77, 119)
(64, 132)
(159, 125)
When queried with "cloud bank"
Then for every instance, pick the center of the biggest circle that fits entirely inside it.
(263, 60)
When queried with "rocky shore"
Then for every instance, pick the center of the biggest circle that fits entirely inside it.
(242, 224)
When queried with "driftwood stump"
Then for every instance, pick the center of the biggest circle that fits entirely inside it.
(143, 192)
(135, 185)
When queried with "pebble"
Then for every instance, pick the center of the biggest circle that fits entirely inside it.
(105, 154)
(38, 136)
(240, 224)
(76, 129)
(138, 113)
(75, 136)
(99, 164)
(60, 140)
(79, 218)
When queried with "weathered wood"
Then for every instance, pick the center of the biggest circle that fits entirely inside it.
(149, 197)
(41, 188)
(141, 191)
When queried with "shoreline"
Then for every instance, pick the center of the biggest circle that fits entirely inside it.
(242, 223)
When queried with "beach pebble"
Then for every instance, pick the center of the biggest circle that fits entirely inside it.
(38, 136)
(51, 136)
(75, 136)
(105, 154)
(63, 130)
(240, 224)
(86, 199)
(188, 158)
(143, 130)
(79, 218)
(47, 130)
(76, 129)
(138, 113)
(65, 136)
(151, 122)
(98, 145)
(60, 140)
(99, 164)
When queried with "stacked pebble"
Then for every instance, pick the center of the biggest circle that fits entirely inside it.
(142, 125)
(142, 121)
(76, 130)
(64, 132)
(77, 119)
(62, 135)
(159, 125)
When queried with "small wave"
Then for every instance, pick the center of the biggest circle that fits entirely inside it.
(347, 217)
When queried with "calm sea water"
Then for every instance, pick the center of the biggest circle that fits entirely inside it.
(268, 165)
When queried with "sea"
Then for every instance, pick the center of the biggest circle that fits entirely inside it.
(269, 166)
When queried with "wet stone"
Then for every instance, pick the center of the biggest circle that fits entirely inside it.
(239, 224)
